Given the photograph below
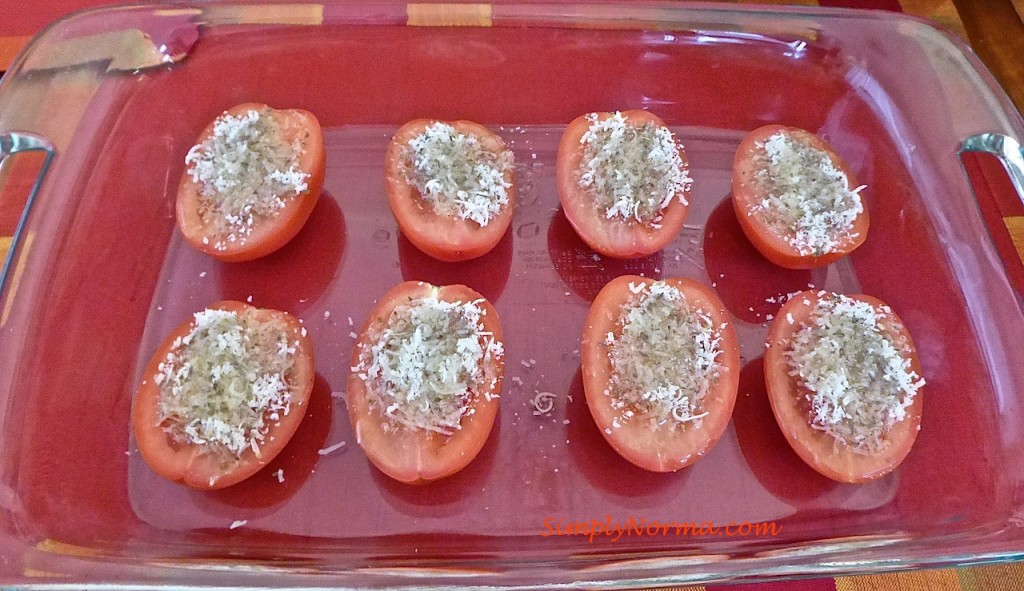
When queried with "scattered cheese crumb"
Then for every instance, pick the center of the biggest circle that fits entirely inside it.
(331, 448)
(237, 524)
(327, 314)
(634, 171)
(457, 174)
(279, 475)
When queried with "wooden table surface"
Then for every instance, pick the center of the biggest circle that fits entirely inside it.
(995, 29)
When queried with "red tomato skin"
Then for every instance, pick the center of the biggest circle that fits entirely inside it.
(189, 464)
(658, 450)
(444, 238)
(615, 238)
(421, 456)
(275, 232)
(818, 449)
(745, 195)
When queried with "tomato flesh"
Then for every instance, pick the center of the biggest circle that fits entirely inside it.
(657, 449)
(617, 238)
(447, 238)
(273, 232)
(820, 450)
(416, 456)
(195, 465)
(747, 194)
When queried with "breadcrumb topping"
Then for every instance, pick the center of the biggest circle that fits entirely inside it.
(809, 201)
(429, 363)
(665, 360)
(634, 171)
(247, 172)
(227, 381)
(857, 376)
(457, 175)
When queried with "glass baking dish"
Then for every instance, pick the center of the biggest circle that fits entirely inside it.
(97, 274)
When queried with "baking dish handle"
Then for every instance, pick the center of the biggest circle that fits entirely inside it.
(14, 143)
(1006, 149)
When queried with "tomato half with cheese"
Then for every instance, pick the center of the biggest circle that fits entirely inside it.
(451, 187)
(844, 381)
(796, 199)
(426, 376)
(251, 181)
(223, 394)
(623, 181)
(661, 370)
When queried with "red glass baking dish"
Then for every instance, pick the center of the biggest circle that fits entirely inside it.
(97, 274)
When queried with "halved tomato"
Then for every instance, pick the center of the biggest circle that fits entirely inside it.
(617, 237)
(790, 400)
(444, 236)
(411, 454)
(664, 448)
(749, 191)
(201, 218)
(199, 465)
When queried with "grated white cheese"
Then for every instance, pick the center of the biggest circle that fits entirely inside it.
(808, 200)
(224, 383)
(858, 379)
(428, 363)
(634, 171)
(666, 358)
(457, 175)
(247, 172)
(238, 523)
